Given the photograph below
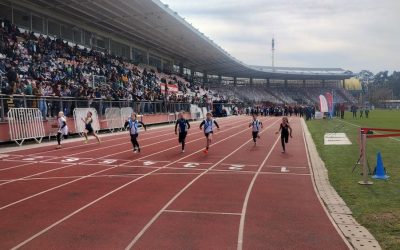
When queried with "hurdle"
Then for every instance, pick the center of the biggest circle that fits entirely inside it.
(79, 114)
(368, 133)
(25, 123)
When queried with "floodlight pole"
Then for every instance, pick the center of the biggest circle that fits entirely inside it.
(273, 53)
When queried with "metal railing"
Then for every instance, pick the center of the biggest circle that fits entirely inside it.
(50, 106)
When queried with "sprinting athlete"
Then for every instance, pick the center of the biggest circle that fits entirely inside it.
(183, 126)
(285, 131)
(88, 127)
(62, 128)
(208, 129)
(256, 125)
(133, 124)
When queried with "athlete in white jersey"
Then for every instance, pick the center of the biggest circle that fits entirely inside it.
(256, 125)
(133, 124)
(208, 124)
(62, 128)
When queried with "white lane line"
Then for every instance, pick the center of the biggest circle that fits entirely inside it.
(247, 197)
(282, 173)
(21, 165)
(242, 164)
(95, 173)
(115, 190)
(270, 166)
(33, 175)
(90, 159)
(200, 212)
(100, 176)
(144, 229)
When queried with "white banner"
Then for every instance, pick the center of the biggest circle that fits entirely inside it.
(323, 104)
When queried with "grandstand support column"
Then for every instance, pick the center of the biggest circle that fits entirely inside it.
(323, 83)
(343, 84)
(286, 84)
(304, 83)
(205, 77)
(268, 83)
(234, 80)
(219, 79)
(251, 81)
(192, 70)
(181, 68)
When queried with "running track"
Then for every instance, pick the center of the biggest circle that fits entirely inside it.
(105, 197)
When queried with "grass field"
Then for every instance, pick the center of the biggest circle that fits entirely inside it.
(377, 207)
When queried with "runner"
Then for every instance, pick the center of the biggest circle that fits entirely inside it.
(88, 128)
(183, 125)
(133, 124)
(208, 129)
(62, 128)
(256, 125)
(286, 131)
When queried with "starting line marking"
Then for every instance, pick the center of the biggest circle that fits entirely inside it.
(200, 212)
(191, 165)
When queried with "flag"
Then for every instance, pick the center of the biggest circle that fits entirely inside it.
(323, 104)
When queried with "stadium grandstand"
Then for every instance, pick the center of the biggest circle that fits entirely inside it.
(58, 55)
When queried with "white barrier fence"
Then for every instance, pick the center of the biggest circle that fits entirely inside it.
(114, 119)
(25, 123)
(81, 113)
(196, 112)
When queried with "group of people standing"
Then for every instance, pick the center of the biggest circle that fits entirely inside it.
(361, 111)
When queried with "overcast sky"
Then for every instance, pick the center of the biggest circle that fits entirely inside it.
(351, 34)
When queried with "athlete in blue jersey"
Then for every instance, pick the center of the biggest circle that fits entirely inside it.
(256, 126)
(183, 126)
(133, 124)
(208, 124)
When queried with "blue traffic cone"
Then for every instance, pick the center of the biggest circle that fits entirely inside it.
(380, 172)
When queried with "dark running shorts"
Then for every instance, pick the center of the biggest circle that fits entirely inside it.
(89, 128)
(182, 136)
(207, 134)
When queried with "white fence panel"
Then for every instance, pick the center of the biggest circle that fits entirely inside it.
(81, 113)
(125, 114)
(196, 112)
(113, 117)
(25, 123)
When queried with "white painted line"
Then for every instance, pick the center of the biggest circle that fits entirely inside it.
(205, 163)
(279, 173)
(241, 164)
(44, 172)
(144, 229)
(247, 197)
(266, 166)
(115, 190)
(311, 169)
(199, 212)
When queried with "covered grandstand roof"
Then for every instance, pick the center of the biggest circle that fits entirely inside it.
(151, 24)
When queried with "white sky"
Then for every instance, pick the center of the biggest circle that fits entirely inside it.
(351, 34)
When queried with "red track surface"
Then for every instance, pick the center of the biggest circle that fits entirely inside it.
(105, 197)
